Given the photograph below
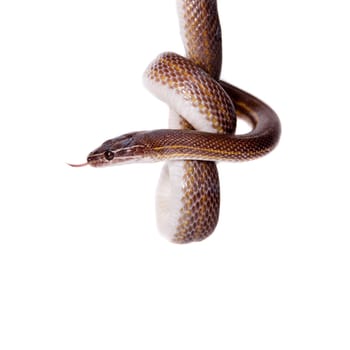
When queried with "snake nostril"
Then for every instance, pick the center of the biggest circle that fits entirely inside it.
(109, 155)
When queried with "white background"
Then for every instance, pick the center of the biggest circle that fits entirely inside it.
(81, 263)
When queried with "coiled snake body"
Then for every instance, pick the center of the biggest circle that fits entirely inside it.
(202, 124)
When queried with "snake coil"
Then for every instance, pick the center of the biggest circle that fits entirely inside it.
(202, 122)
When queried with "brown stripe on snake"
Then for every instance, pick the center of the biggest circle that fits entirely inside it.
(188, 194)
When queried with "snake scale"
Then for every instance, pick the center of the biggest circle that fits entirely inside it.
(202, 123)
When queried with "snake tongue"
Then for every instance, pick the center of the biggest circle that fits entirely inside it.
(77, 165)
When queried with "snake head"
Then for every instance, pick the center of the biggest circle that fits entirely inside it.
(127, 148)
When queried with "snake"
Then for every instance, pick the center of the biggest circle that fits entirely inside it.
(202, 128)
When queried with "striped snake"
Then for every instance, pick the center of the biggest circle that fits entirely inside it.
(202, 124)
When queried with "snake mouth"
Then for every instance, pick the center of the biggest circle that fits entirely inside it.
(97, 160)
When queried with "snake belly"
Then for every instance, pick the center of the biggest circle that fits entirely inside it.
(188, 192)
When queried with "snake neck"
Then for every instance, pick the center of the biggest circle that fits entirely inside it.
(171, 144)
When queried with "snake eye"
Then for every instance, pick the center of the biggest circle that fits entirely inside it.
(109, 155)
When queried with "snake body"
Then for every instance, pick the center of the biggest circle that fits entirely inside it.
(202, 123)
(188, 193)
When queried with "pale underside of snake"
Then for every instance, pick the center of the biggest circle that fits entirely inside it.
(202, 124)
